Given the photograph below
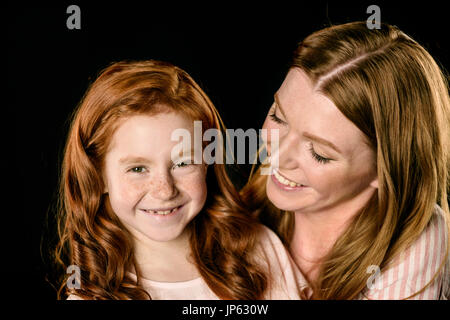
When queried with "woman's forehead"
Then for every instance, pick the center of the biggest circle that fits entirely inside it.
(308, 110)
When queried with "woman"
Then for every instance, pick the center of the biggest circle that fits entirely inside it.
(358, 191)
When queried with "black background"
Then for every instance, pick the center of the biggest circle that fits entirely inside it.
(238, 52)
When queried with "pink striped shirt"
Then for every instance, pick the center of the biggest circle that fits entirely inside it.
(414, 268)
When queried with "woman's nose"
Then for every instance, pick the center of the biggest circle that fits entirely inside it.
(163, 186)
(286, 154)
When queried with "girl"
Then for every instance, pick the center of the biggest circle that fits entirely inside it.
(359, 195)
(143, 219)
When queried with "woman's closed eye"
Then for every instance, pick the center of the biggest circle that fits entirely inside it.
(317, 156)
(274, 117)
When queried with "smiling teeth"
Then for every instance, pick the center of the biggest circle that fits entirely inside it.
(285, 181)
(163, 213)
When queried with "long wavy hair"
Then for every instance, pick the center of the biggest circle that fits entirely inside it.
(395, 93)
(91, 235)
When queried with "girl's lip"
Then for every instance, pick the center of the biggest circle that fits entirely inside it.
(285, 187)
(174, 212)
(164, 209)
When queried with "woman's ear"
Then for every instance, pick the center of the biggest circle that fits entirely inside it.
(374, 183)
(105, 186)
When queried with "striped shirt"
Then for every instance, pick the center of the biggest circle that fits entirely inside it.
(415, 267)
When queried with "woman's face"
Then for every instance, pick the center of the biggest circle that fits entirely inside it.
(324, 163)
(154, 195)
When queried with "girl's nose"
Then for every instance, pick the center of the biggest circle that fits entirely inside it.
(163, 187)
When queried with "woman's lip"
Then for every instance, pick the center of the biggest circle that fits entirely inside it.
(275, 170)
(285, 187)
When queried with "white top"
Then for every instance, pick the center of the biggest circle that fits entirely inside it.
(284, 276)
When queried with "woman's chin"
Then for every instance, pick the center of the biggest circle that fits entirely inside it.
(284, 200)
(282, 204)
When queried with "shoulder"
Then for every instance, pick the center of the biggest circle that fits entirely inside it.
(422, 267)
(430, 246)
(434, 238)
(438, 224)
(285, 279)
(271, 251)
(270, 245)
(266, 235)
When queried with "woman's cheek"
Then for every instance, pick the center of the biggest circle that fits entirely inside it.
(326, 180)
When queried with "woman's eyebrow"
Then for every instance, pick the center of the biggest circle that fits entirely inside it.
(322, 141)
(277, 101)
(306, 134)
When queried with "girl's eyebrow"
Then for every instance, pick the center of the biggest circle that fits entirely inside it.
(277, 101)
(132, 159)
(138, 159)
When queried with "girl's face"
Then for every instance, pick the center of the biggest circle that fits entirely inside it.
(324, 162)
(152, 195)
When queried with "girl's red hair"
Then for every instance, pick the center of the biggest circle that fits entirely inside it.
(91, 235)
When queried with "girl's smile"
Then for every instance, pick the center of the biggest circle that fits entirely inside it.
(167, 216)
(154, 194)
(163, 212)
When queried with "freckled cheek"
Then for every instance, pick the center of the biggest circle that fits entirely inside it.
(129, 191)
(194, 185)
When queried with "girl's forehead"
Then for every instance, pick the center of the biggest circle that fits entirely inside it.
(157, 124)
(157, 132)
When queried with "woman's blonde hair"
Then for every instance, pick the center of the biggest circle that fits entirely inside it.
(91, 235)
(394, 92)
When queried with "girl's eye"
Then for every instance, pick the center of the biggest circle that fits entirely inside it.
(181, 164)
(318, 157)
(137, 170)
